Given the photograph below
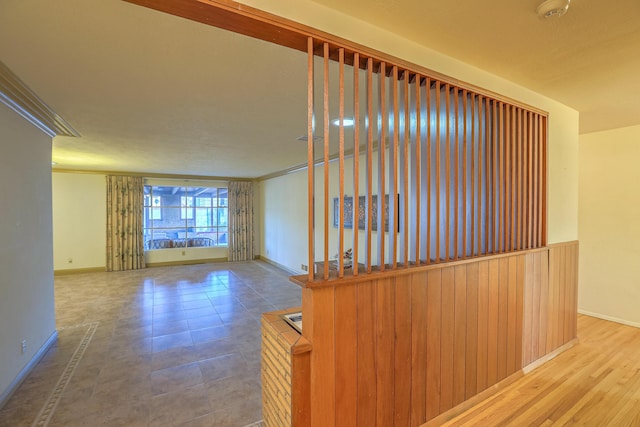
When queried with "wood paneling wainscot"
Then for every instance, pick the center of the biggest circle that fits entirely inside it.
(420, 345)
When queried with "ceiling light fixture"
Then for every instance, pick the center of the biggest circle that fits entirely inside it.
(346, 122)
(553, 8)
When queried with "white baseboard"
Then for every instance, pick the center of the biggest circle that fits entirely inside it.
(610, 318)
(280, 266)
(6, 395)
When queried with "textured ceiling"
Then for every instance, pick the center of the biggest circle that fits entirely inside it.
(154, 93)
(589, 59)
(150, 92)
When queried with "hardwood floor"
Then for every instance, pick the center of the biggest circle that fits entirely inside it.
(595, 383)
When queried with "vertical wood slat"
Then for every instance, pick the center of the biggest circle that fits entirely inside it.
(518, 189)
(479, 224)
(456, 173)
(310, 161)
(356, 163)
(369, 171)
(464, 173)
(447, 170)
(406, 191)
(501, 180)
(531, 180)
(382, 138)
(494, 181)
(534, 184)
(513, 182)
(393, 170)
(543, 174)
(473, 174)
(341, 164)
(438, 190)
(428, 171)
(507, 211)
(508, 179)
(326, 160)
(418, 169)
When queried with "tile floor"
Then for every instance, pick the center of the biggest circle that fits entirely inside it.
(168, 346)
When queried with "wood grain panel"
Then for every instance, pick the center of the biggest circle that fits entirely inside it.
(406, 349)
(536, 317)
(460, 334)
(419, 303)
(447, 338)
(402, 349)
(512, 320)
(367, 359)
(347, 358)
(527, 319)
(323, 368)
(483, 324)
(434, 333)
(520, 274)
(503, 313)
(544, 303)
(471, 347)
(385, 345)
(492, 324)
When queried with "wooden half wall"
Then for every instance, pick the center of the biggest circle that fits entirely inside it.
(404, 347)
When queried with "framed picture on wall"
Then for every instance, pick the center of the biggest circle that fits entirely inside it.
(362, 205)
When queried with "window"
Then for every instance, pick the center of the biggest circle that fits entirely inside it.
(178, 217)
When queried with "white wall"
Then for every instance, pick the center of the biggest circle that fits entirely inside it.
(26, 268)
(563, 121)
(609, 224)
(79, 225)
(283, 220)
(79, 221)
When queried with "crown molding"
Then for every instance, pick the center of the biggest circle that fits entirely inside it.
(154, 175)
(15, 94)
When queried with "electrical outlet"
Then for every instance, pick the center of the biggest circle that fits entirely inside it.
(304, 267)
(70, 260)
(23, 346)
(184, 253)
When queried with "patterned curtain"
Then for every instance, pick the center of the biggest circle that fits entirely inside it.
(125, 245)
(240, 221)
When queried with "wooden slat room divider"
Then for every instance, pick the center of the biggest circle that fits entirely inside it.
(402, 349)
